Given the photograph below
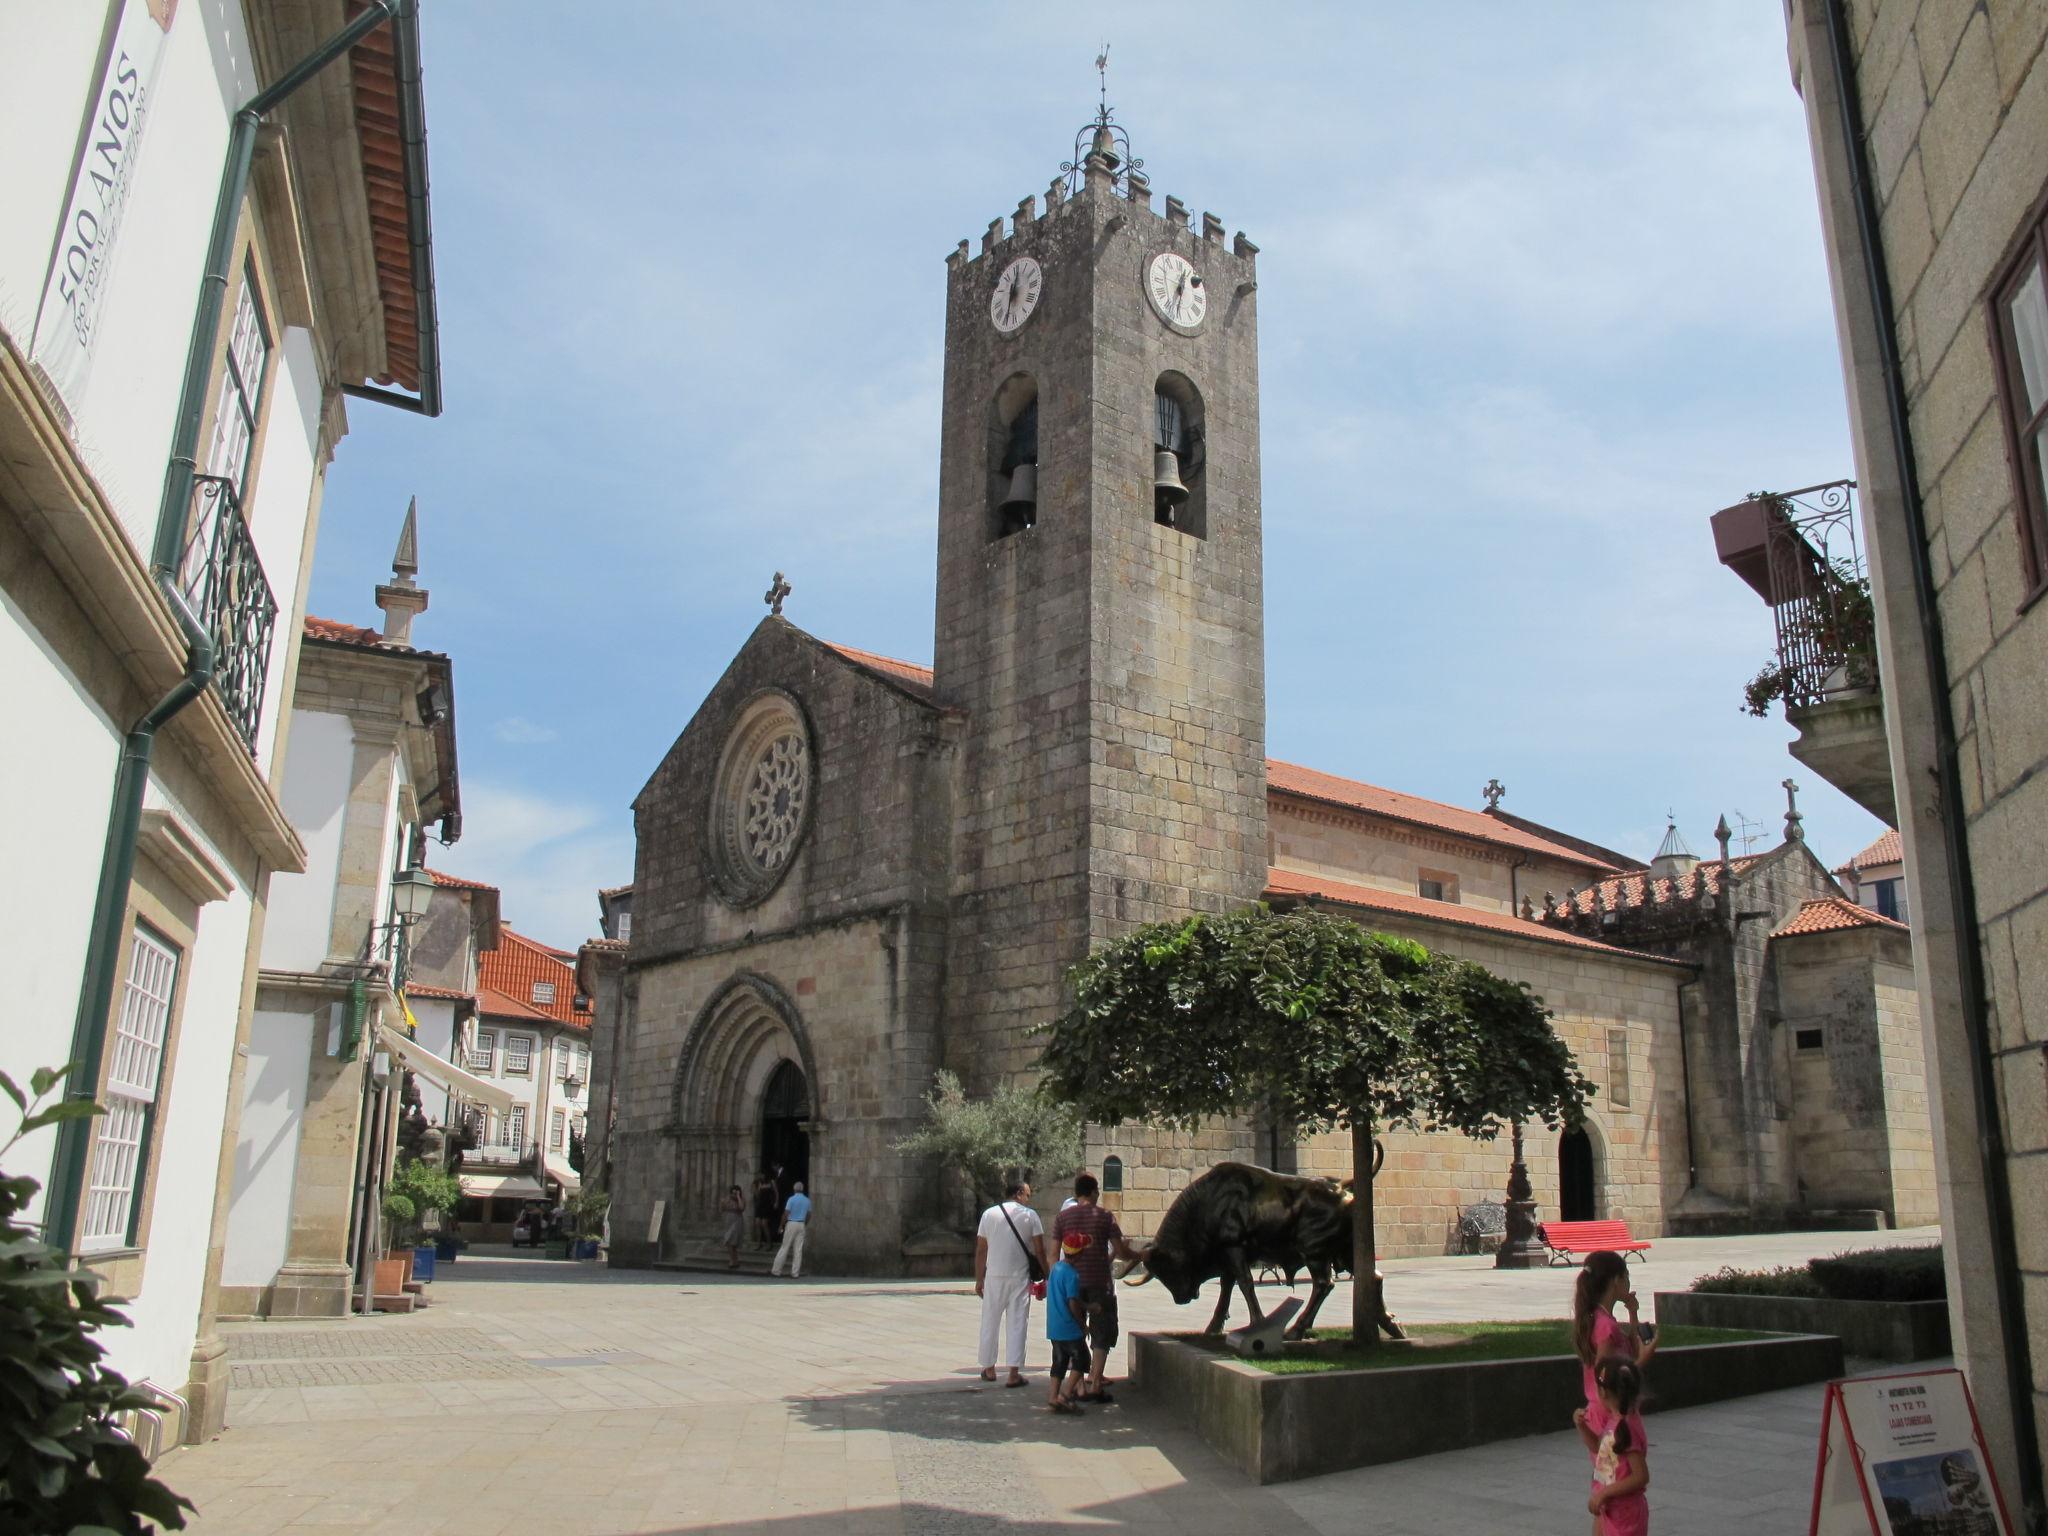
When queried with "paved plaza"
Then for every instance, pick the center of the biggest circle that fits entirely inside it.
(543, 1396)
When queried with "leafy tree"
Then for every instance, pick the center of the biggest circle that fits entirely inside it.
(1014, 1132)
(64, 1466)
(1320, 1023)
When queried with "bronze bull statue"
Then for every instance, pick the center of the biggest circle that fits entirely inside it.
(1237, 1218)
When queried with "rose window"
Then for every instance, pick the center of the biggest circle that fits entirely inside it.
(761, 798)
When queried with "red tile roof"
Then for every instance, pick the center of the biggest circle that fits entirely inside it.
(904, 674)
(1889, 849)
(615, 890)
(506, 977)
(420, 989)
(340, 633)
(1293, 883)
(458, 883)
(1832, 914)
(373, 67)
(1312, 784)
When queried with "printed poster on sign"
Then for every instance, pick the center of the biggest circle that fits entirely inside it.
(1904, 1456)
(124, 97)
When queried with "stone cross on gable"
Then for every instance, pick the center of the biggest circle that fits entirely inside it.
(777, 591)
(1494, 791)
(1793, 832)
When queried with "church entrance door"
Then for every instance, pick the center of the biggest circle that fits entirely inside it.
(1575, 1193)
(785, 1125)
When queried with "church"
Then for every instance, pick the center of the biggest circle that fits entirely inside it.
(854, 871)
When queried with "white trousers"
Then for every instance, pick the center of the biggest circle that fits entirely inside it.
(1005, 1298)
(792, 1249)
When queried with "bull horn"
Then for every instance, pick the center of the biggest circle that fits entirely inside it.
(1144, 1276)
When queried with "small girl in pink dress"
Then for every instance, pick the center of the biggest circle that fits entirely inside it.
(1612, 1430)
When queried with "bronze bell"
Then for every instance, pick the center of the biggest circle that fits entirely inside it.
(1167, 491)
(1022, 497)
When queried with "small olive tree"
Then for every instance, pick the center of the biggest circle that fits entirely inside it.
(1014, 1132)
(1317, 1021)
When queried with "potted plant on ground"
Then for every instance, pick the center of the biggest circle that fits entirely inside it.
(395, 1268)
(588, 1209)
(433, 1193)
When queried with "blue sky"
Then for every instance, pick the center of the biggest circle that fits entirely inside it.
(1541, 287)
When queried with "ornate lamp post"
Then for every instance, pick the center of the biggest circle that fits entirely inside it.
(1520, 1249)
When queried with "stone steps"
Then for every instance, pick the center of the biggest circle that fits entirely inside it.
(709, 1256)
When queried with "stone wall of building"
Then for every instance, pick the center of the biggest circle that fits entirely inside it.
(1343, 845)
(1855, 1078)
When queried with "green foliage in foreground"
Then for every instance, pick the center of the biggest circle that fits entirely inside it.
(1463, 1344)
(1873, 1274)
(1013, 1133)
(63, 1464)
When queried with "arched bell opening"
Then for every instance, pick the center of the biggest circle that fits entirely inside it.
(1013, 457)
(1179, 486)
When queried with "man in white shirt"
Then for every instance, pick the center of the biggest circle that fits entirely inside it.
(1010, 1236)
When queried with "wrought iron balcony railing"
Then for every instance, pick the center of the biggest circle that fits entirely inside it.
(1798, 550)
(224, 580)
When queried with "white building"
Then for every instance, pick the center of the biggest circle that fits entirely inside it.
(532, 1040)
(323, 1100)
(156, 527)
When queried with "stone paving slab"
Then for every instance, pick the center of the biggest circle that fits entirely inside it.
(641, 1403)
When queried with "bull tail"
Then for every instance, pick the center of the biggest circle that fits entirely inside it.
(1379, 1158)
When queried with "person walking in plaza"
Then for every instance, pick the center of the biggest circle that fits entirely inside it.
(1009, 1258)
(1612, 1430)
(734, 1208)
(1065, 1327)
(1602, 1285)
(796, 1218)
(765, 1202)
(1098, 1288)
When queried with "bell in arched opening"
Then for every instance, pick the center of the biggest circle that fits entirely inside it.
(1018, 509)
(1170, 442)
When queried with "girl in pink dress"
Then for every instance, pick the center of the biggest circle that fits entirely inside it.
(1612, 1430)
(1603, 1283)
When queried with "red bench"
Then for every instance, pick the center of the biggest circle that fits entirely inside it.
(1565, 1238)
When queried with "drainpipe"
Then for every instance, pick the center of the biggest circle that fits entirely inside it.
(131, 777)
(1955, 844)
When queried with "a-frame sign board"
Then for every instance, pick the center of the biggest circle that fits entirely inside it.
(1904, 1456)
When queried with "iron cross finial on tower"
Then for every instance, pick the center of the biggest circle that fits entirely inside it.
(1793, 834)
(777, 591)
(1102, 69)
(1494, 792)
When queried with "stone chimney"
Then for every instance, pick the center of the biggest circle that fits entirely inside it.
(404, 598)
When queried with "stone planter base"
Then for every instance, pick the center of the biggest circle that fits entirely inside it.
(1876, 1330)
(1278, 1428)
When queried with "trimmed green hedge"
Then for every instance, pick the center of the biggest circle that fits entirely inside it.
(1875, 1274)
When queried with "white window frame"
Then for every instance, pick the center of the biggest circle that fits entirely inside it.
(543, 994)
(558, 1130)
(483, 1055)
(583, 1064)
(515, 1127)
(518, 1055)
(239, 405)
(560, 1051)
(121, 1147)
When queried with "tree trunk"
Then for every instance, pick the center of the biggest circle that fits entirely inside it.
(1365, 1291)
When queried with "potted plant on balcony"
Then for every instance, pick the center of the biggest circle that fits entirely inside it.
(1837, 626)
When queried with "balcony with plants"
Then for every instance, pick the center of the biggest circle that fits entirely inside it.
(1798, 551)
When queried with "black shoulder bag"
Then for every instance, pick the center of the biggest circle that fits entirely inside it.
(1034, 1265)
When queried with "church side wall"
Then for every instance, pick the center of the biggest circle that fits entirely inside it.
(1639, 1152)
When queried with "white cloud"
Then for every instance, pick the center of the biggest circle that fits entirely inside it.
(547, 855)
(518, 731)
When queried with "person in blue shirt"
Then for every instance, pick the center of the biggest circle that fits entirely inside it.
(1063, 1326)
(796, 1217)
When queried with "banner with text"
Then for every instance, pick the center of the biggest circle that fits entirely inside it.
(1903, 1456)
(67, 324)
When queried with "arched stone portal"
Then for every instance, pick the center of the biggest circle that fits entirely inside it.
(1578, 1190)
(746, 1065)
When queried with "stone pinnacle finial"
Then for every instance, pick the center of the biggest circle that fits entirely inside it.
(1793, 833)
(1723, 835)
(1494, 792)
(777, 591)
(405, 560)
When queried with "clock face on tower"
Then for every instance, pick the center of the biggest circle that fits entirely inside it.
(1016, 294)
(1176, 290)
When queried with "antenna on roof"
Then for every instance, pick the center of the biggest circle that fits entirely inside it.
(1748, 832)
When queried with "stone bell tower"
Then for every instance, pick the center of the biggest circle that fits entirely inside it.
(1100, 619)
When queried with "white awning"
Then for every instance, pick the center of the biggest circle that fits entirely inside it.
(506, 1186)
(445, 1073)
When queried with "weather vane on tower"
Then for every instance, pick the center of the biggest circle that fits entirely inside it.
(1103, 141)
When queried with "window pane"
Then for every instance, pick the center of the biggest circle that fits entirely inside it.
(518, 1053)
(2026, 314)
(515, 1126)
(486, 1049)
(556, 1121)
(117, 1155)
(241, 384)
(145, 1016)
